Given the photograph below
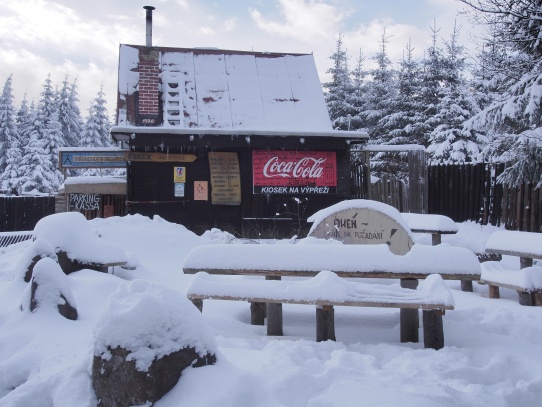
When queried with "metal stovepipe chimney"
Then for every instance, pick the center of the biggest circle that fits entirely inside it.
(149, 25)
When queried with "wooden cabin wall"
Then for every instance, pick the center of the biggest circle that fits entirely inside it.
(151, 191)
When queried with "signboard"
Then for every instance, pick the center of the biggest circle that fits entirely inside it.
(179, 190)
(225, 178)
(201, 190)
(294, 172)
(365, 226)
(179, 174)
(87, 202)
(160, 157)
(91, 159)
(115, 159)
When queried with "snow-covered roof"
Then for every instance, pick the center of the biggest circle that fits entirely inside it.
(222, 90)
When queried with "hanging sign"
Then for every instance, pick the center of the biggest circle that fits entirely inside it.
(159, 157)
(294, 172)
(225, 178)
(91, 159)
(179, 174)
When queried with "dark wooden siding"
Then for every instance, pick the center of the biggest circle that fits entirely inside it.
(22, 213)
(151, 192)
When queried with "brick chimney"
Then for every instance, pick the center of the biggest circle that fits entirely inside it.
(149, 111)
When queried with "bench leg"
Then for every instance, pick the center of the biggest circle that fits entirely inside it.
(257, 313)
(325, 323)
(409, 318)
(537, 298)
(494, 291)
(525, 262)
(198, 303)
(274, 315)
(433, 331)
(466, 285)
(525, 298)
(274, 319)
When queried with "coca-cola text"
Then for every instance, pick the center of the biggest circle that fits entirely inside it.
(306, 167)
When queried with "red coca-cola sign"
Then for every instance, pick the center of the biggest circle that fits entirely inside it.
(294, 172)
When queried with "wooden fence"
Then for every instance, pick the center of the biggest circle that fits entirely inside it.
(471, 192)
(22, 213)
(462, 192)
(411, 196)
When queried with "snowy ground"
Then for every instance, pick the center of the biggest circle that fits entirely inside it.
(492, 355)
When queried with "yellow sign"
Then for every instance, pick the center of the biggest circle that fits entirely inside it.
(162, 157)
(225, 179)
(179, 174)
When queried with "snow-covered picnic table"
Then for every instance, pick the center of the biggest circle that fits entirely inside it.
(274, 261)
(527, 281)
(307, 260)
(436, 225)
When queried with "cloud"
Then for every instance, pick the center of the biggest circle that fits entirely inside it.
(304, 20)
(368, 37)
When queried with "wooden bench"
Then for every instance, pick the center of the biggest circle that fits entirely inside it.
(527, 281)
(438, 225)
(327, 290)
(274, 261)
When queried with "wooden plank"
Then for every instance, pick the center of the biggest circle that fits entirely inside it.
(340, 273)
(323, 302)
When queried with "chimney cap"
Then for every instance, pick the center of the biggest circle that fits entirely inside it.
(149, 8)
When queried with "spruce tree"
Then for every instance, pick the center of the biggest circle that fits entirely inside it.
(381, 90)
(95, 132)
(339, 89)
(448, 140)
(404, 124)
(8, 128)
(25, 121)
(513, 121)
(69, 114)
(36, 175)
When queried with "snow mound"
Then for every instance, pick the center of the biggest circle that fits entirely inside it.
(150, 321)
(70, 232)
(52, 285)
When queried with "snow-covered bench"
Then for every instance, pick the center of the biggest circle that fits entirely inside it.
(527, 281)
(436, 225)
(274, 261)
(327, 290)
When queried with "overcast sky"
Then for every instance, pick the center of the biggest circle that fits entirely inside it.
(81, 38)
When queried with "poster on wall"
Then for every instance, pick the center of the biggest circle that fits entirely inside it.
(179, 174)
(179, 190)
(201, 190)
(294, 172)
(225, 178)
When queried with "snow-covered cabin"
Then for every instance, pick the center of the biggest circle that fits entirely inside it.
(237, 140)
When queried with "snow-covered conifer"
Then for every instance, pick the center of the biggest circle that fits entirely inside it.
(339, 89)
(69, 114)
(8, 127)
(449, 142)
(95, 132)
